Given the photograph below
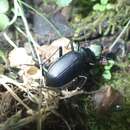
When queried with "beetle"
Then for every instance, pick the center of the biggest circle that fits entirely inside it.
(70, 65)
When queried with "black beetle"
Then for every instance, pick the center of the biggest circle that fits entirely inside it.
(69, 66)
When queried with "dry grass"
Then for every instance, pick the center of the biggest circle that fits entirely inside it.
(16, 99)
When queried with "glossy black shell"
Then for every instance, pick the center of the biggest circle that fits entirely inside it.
(65, 69)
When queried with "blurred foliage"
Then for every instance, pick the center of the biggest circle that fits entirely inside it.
(104, 21)
(121, 81)
(99, 19)
(4, 6)
(118, 118)
(4, 20)
(63, 3)
(107, 70)
(103, 5)
(60, 3)
(84, 7)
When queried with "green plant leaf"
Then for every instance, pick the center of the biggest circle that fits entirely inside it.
(4, 6)
(111, 62)
(109, 65)
(96, 7)
(107, 75)
(3, 56)
(129, 56)
(63, 3)
(4, 22)
(104, 2)
(109, 6)
(102, 8)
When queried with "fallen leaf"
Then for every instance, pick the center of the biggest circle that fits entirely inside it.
(51, 52)
(62, 42)
(18, 57)
(32, 70)
(107, 98)
(29, 75)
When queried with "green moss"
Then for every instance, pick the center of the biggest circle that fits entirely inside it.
(107, 21)
(117, 118)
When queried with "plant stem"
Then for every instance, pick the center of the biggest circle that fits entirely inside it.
(31, 40)
(44, 17)
(15, 13)
(9, 40)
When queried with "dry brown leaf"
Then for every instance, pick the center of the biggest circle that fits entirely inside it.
(18, 57)
(62, 42)
(30, 74)
(52, 50)
(107, 98)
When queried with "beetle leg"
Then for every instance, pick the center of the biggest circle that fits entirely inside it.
(83, 83)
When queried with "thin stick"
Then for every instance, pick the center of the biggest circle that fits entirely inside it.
(30, 38)
(10, 124)
(29, 35)
(51, 55)
(77, 92)
(62, 118)
(120, 35)
(4, 79)
(15, 96)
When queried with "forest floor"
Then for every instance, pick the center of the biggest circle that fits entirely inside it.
(97, 99)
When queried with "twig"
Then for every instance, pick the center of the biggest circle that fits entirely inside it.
(51, 55)
(63, 119)
(9, 124)
(119, 36)
(73, 93)
(5, 80)
(30, 38)
(15, 96)
(28, 120)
